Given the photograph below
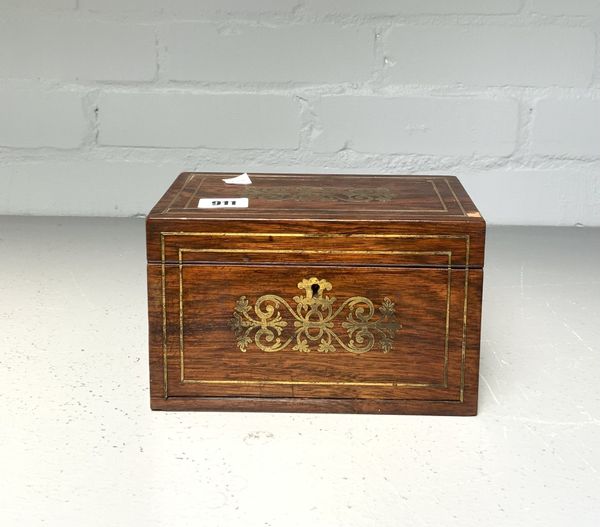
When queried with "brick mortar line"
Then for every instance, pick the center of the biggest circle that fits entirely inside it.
(274, 19)
(368, 88)
(128, 153)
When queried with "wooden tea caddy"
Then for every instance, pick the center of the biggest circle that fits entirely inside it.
(326, 293)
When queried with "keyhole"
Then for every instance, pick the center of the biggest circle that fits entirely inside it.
(315, 289)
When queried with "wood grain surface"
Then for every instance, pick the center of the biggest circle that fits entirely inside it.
(394, 327)
(315, 196)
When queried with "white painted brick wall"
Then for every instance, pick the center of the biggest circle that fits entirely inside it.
(103, 102)
(74, 49)
(307, 53)
(91, 187)
(571, 196)
(35, 118)
(560, 7)
(567, 127)
(410, 125)
(36, 4)
(490, 56)
(194, 120)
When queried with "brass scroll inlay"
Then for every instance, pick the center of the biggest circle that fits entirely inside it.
(313, 322)
(353, 194)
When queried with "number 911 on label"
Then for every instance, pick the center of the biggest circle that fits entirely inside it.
(222, 203)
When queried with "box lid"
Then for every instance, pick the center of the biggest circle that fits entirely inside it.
(438, 205)
(312, 196)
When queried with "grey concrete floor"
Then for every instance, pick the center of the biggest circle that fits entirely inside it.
(80, 446)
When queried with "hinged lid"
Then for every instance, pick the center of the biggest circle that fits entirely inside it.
(424, 212)
(301, 196)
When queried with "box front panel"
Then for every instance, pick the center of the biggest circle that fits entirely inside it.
(328, 332)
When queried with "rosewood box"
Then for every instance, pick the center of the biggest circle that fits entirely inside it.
(314, 293)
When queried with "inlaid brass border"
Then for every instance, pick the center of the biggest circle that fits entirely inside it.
(316, 251)
(455, 197)
(187, 180)
(303, 235)
(431, 180)
(464, 339)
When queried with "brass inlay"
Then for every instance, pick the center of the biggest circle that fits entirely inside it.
(316, 235)
(448, 262)
(464, 213)
(164, 313)
(352, 194)
(464, 335)
(323, 383)
(313, 320)
(183, 187)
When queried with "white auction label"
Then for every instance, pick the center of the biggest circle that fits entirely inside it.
(223, 203)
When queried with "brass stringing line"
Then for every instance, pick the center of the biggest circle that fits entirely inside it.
(318, 251)
(181, 362)
(464, 336)
(248, 214)
(440, 236)
(455, 197)
(416, 211)
(464, 339)
(445, 208)
(189, 178)
(434, 385)
(194, 194)
(448, 296)
(164, 314)
(316, 235)
(309, 251)
(424, 384)
(324, 383)
(447, 313)
(263, 175)
(319, 383)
